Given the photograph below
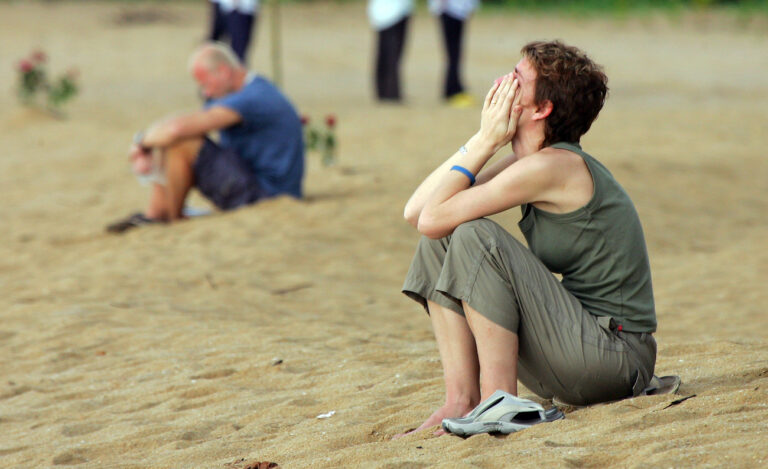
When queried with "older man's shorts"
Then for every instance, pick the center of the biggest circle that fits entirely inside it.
(224, 177)
(564, 351)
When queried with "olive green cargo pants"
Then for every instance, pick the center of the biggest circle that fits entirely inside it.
(564, 351)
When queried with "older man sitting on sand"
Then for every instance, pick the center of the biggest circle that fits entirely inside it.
(260, 152)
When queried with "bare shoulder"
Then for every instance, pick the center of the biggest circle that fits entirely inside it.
(568, 180)
(561, 164)
(549, 163)
(554, 157)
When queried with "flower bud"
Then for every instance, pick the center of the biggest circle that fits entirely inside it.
(38, 56)
(26, 66)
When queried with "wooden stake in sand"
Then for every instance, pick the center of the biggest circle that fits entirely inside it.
(276, 43)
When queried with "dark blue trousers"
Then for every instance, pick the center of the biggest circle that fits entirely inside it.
(234, 26)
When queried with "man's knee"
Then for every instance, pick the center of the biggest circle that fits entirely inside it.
(186, 150)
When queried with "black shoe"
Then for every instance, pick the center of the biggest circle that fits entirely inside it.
(132, 221)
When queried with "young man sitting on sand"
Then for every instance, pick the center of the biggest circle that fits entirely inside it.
(498, 312)
(260, 152)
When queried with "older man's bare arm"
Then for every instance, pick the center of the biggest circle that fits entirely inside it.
(193, 125)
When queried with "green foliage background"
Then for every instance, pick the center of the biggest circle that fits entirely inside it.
(594, 5)
(624, 5)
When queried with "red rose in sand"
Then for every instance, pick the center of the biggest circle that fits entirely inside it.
(34, 81)
(321, 139)
(329, 141)
(26, 66)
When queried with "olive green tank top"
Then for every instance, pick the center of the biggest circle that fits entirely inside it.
(599, 249)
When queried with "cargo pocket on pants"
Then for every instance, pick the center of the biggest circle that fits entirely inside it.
(605, 337)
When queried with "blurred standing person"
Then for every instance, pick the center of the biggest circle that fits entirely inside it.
(390, 19)
(234, 20)
(453, 15)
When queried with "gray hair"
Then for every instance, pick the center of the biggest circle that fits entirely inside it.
(212, 54)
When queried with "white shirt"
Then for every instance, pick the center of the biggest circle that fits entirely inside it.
(247, 7)
(385, 13)
(459, 9)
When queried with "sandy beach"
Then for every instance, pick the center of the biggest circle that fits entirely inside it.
(222, 340)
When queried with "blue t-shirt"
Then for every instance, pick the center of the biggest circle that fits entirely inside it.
(269, 137)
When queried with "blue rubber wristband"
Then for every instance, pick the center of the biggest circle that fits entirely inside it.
(465, 172)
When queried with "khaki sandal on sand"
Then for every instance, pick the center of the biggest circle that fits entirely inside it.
(501, 413)
(664, 385)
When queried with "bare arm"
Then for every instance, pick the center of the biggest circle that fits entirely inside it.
(195, 124)
(507, 184)
(526, 181)
(415, 204)
(493, 170)
(498, 126)
(479, 150)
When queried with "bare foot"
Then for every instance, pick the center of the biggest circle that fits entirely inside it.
(445, 412)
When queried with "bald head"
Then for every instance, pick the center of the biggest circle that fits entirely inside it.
(216, 70)
(212, 55)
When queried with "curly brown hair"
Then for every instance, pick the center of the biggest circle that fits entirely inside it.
(572, 82)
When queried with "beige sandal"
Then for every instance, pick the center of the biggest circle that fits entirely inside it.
(664, 385)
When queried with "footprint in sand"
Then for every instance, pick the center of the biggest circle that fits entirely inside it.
(80, 429)
(215, 374)
(69, 458)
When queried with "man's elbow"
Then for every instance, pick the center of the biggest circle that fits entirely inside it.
(175, 131)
